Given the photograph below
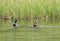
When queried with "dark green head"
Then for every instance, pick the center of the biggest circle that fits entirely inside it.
(15, 21)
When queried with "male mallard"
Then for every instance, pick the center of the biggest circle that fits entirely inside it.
(14, 23)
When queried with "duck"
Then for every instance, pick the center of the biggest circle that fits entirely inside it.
(15, 23)
(35, 23)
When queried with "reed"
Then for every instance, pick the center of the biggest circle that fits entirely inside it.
(30, 8)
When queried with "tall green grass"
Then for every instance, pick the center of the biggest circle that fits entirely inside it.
(30, 7)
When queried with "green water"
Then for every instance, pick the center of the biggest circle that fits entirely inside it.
(27, 33)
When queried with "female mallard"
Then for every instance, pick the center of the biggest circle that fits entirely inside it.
(35, 23)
